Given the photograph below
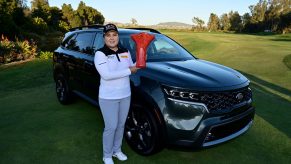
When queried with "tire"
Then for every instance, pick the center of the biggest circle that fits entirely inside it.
(63, 92)
(143, 133)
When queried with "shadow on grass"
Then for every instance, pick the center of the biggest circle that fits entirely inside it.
(268, 84)
(270, 106)
(282, 39)
(257, 34)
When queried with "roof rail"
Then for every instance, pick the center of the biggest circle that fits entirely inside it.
(95, 26)
(146, 29)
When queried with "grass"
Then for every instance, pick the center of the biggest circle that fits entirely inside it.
(35, 128)
(287, 61)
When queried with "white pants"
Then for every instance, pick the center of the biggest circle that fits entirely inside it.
(114, 113)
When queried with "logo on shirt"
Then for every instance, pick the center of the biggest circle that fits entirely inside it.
(124, 56)
(110, 56)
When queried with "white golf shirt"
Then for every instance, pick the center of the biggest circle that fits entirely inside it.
(114, 71)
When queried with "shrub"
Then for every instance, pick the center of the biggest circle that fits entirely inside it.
(6, 47)
(45, 55)
(33, 37)
(63, 26)
(28, 50)
(14, 51)
(39, 25)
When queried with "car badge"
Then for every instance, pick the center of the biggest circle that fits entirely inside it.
(239, 96)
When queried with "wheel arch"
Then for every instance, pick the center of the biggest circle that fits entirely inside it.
(140, 96)
(60, 69)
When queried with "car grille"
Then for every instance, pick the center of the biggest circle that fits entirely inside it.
(216, 102)
(225, 101)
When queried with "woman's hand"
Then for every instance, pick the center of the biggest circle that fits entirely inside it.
(133, 69)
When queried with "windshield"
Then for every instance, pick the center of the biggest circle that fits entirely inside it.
(161, 48)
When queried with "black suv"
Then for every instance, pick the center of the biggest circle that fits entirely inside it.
(177, 99)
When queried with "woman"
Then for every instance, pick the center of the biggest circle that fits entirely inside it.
(114, 65)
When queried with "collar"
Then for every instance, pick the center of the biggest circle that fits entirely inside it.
(107, 51)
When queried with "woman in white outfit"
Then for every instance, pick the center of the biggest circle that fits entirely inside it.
(114, 65)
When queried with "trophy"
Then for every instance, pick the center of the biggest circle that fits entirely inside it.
(142, 41)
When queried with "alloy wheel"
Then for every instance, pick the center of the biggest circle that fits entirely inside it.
(139, 131)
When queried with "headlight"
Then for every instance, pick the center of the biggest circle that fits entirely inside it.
(185, 98)
(179, 93)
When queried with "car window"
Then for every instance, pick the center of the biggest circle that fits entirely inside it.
(129, 44)
(98, 42)
(161, 48)
(82, 43)
(69, 42)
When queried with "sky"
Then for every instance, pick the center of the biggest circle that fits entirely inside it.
(151, 12)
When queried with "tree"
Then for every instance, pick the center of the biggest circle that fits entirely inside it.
(286, 4)
(258, 11)
(39, 4)
(68, 12)
(89, 15)
(246, 19)
(246, 22)
(55, 17)
(198, 23)
(76, 21)
(39, 25)
(235, 21)
(267, 15)
(285, 23)
(213, 23)
(133, 21)
(82, 13)
(225, 22)
(274, 12)
(63, 26)
(41, 9)
(7, 24)
(70, 16)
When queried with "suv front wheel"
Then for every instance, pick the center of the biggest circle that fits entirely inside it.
(142, 131)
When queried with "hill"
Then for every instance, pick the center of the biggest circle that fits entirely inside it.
(174, 24)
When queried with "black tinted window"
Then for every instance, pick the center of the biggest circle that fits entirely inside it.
(69, 42)
(82, 43)
(98, 42)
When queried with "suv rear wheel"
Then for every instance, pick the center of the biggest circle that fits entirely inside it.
(142, 131)
(64, 94)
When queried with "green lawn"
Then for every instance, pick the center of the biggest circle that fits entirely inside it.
(35, 128)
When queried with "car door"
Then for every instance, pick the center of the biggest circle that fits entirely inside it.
(69, 56)
(81, 54)
(92, 77)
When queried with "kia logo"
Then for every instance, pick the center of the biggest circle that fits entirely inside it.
(239, 96)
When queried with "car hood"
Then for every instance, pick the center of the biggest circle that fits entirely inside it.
(195, 74)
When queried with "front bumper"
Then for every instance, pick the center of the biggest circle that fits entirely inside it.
(209, 129)
(228, 130)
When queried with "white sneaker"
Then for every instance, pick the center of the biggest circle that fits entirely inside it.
(120, 156)
(108, 161)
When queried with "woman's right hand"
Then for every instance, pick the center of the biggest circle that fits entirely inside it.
(133, 69)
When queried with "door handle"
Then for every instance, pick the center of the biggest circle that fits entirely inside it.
(89, 63)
